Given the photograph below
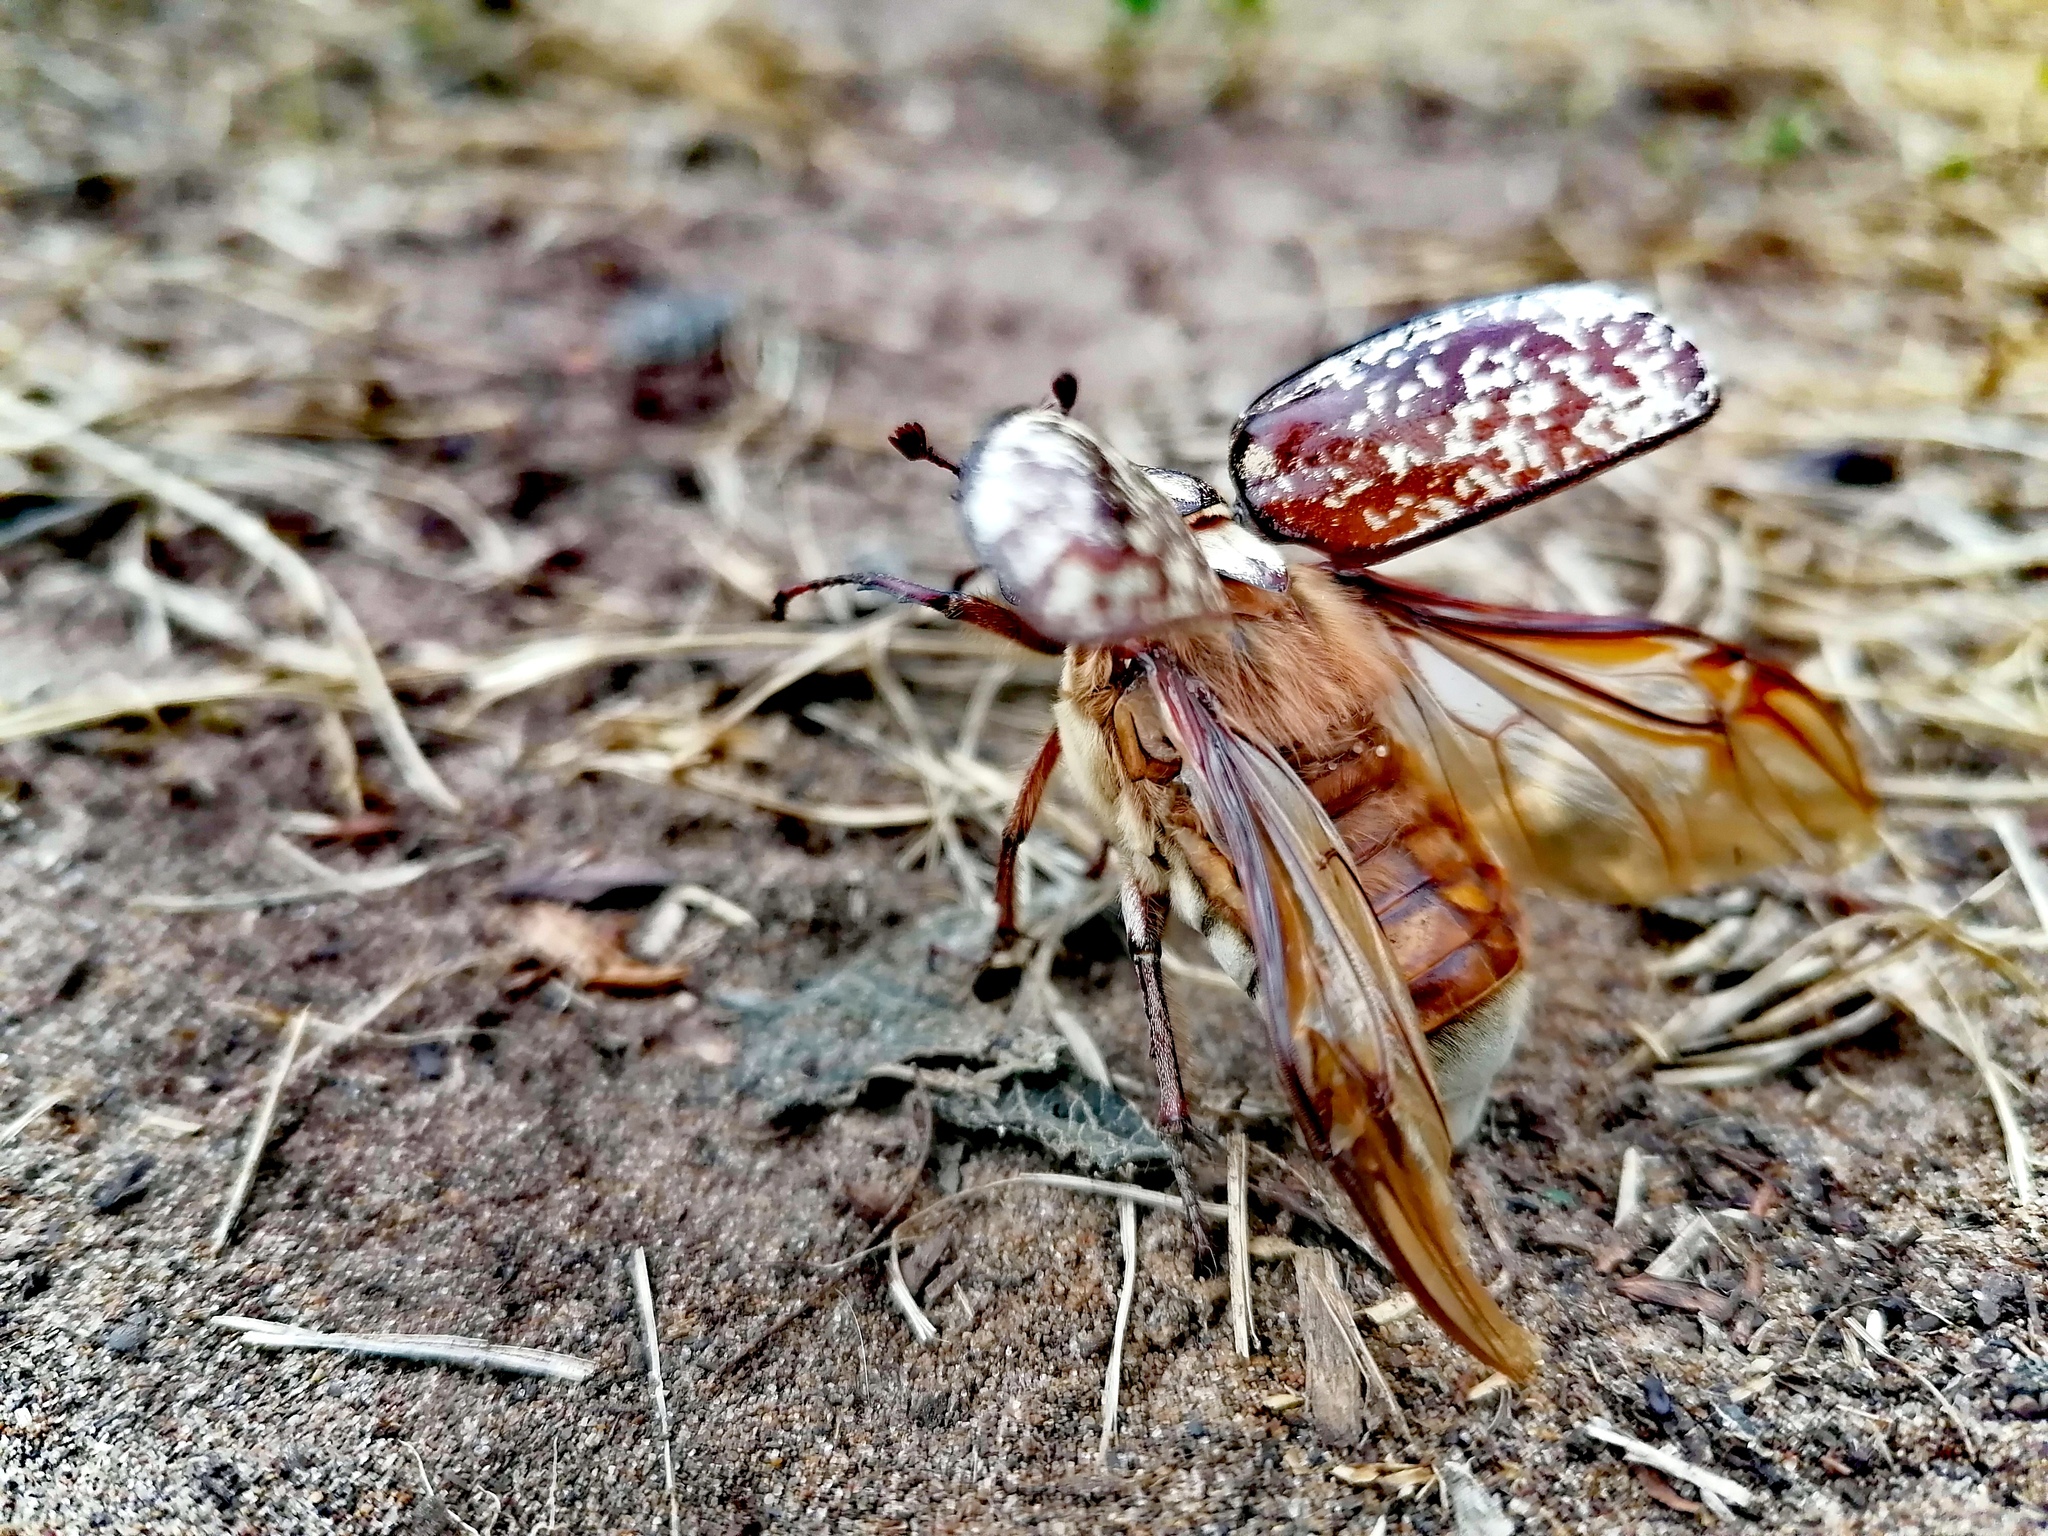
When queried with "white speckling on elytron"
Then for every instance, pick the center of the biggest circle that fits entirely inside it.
(1462, 413)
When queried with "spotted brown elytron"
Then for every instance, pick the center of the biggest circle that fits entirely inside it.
(1342, 780)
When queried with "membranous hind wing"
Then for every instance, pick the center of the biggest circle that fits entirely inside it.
(1618, 759)
(1344, 1030)
(1459, 415)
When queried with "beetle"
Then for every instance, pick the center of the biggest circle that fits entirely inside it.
(1341, 780)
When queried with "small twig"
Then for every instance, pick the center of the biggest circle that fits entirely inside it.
(643, 1292)
(259, 1132)
(436, 1505)
(428, 1348)
(1242, 1331)
(1724, 1488)
(356, 1024)
(1338, 1307)
(1112, 1379)
(1330, 1371)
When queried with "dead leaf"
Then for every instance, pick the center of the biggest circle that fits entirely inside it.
(1678, 1295)
(1657, 1488)
(592, 953)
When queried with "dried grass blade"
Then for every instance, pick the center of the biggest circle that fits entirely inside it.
(1919, 991)
(1236, 1180)
(872, 817)
(1724, 1488)
(1751, 1063)
(1956, 791)
(922, 1328)
(1693, 1239)
(145, 696)
(249, 534)
(368, 882)
(1112, 1379)
(38, 1106)
(2024, 858)
(643, 1293)
(259, 1133)
(378, 1005)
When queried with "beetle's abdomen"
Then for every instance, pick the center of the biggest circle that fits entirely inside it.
(1444, 906)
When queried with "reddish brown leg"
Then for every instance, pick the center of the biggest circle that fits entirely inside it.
(1029, 797)
(1145, 925)
(982, 612)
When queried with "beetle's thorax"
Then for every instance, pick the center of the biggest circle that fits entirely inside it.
(1302, 671)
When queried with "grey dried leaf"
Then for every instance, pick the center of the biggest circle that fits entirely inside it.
(903, 1009)
(1070, 1116)
(1474, 1511)
(902, 999)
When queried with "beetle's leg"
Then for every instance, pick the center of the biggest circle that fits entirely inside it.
(1145, 924)
(1029, 797)
(982, 612)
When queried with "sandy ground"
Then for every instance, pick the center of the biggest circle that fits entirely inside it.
(972, 233)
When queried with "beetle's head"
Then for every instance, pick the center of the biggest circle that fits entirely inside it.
(1089, 547)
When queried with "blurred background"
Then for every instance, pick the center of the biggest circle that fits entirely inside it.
(619, 299)
(408, 408)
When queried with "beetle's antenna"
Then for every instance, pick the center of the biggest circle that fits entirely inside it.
(1065, 388)
(910, 441)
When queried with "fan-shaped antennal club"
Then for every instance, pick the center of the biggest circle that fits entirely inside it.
(910, 441)
(1065, 390)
